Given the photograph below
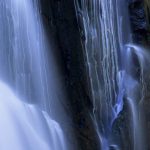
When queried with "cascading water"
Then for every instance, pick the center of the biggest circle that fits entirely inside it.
(115, 70)
(25, 126)
(29, 81)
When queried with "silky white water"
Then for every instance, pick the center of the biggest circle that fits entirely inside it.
(29, 81)
(25, 126)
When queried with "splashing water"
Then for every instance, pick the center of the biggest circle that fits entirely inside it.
(29, 80)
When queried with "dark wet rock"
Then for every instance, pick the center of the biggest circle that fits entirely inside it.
(138, 21)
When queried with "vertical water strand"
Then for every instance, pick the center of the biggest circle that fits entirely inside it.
(30, 69)
(104, 42)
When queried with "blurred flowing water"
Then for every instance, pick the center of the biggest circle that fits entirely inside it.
(116, 71)
(29, 84)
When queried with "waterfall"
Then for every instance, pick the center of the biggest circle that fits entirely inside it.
(115, 71)
(29, 81)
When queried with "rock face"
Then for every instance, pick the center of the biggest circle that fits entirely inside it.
(138, 21)
(60, 20)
